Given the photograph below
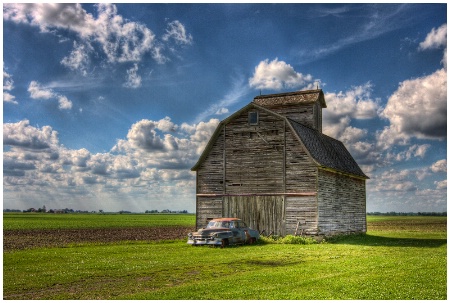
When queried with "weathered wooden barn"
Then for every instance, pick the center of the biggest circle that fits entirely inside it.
(270, 165)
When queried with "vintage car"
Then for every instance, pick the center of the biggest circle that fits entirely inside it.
(223, 232)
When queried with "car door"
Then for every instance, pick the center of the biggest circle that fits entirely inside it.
(237, 233)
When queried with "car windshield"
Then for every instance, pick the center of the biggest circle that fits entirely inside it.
(215, 224)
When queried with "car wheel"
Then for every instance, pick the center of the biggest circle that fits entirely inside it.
(224, 243)
(252, 241)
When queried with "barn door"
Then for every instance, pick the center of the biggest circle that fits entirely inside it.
(259, 212)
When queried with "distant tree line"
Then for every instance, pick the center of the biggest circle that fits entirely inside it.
(43, 209)
(166, 211)
(393, 213)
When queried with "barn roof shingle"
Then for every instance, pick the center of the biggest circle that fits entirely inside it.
(326, 151)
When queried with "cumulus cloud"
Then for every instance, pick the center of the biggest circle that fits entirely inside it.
(435, 39)
(173, 145)
(439, 166)
(64, 102)
(417, 109)
(343, 107)
(441, 184)
(51, 15)
(38, 92)
(23, 135)
(277, 75)
(8, 85)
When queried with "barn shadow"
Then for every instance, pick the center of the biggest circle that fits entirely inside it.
(372, 240)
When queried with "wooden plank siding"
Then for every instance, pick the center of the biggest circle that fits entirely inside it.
(254, 155)
(302, 210)
(342, 203)
(207, 209)
(263, 213)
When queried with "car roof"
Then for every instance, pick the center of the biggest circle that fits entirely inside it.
(225, 219)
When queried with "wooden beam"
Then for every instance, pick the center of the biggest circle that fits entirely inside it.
(258, 194)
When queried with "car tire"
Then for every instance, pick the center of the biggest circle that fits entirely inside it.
(224, 243)
(252, 241)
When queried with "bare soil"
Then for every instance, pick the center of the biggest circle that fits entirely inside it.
(24, 239)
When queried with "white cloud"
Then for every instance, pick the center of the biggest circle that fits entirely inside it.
(417, 109)
(78, 58)
(435, 39)
(439, 166)
(133, 79)
(177, 32)
(22, 135)
(120, 40)
(8, 85)
(441, 184)
(51, 15)
(415, 150)
(64, 103)
(37, 91)
(277, 75)
(342, 107)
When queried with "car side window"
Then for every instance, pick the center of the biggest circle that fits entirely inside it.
(232, 224)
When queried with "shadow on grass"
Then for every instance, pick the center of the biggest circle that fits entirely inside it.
(371, 240)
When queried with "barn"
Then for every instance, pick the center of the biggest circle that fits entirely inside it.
(270, 164)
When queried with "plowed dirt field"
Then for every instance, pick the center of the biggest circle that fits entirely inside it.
(23, 239)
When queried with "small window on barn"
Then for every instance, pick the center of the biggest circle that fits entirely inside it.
(253, 118)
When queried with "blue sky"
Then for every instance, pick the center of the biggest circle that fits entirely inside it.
(109, 106)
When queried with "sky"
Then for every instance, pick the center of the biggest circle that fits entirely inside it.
(108, 106)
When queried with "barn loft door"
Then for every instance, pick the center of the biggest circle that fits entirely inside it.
(259, 212)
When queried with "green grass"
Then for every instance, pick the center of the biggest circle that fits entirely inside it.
(13, 221)
(390, 263)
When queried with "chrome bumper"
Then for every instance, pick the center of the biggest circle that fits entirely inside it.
(216, 241)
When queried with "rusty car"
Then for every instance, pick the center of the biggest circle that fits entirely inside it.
(223, 232)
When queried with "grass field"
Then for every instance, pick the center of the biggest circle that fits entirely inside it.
(14, 221)
(398, 258)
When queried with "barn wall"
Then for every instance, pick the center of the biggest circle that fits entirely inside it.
(341, 203)
(302, 211)
(210, 181)
(207, 209)
(263, 213)
(301, 171)
(210, 173)
(254, 154)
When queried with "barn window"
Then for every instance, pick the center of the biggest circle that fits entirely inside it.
(253, 118)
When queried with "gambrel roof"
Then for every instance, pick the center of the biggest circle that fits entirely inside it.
(326, 152)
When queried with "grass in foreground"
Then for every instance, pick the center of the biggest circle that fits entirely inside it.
(384, 264)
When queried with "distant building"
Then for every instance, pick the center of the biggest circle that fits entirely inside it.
(270, 165)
